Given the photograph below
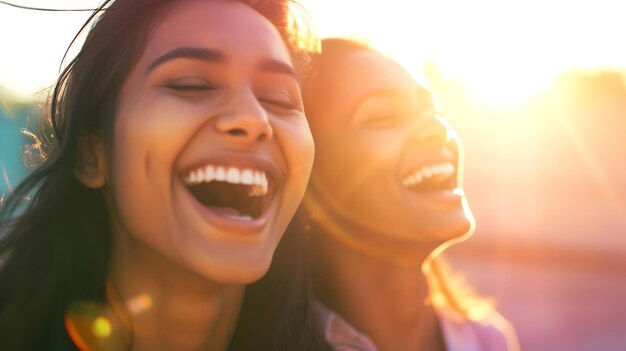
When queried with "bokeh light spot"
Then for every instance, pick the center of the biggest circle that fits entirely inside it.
(101, 327)
(139, 303)
(95, 326)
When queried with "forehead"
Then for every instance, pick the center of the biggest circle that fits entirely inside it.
(228, 26)
(348, 79)
(364, 71)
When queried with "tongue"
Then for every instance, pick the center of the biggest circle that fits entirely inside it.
(225, 211)
(226, 199)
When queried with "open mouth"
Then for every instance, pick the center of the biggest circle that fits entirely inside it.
(232, 192)
(431, 178)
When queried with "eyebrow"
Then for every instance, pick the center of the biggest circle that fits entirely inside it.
(216, 56)
(276, 66)
(203, 54)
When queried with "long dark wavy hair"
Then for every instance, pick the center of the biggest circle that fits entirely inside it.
(55, 247)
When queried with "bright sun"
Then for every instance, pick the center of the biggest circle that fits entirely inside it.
(504, 52)
(505, 83)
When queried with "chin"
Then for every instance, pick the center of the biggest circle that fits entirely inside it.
(239, 272)
(452, 230)
(452, 235)
(462, 231)
(462, 224)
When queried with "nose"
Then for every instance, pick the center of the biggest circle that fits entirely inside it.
(454, 143)
(246, 121)
(432, 131)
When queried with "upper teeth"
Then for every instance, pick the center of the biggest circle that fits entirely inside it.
(418, 176)
(255, 178)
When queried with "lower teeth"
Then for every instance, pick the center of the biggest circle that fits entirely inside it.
(241, 217)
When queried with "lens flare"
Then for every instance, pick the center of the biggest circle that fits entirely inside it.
(93, 326)
(101, 327)
(139, 304)
(105, 325)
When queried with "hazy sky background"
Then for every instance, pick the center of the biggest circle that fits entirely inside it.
(489, 44)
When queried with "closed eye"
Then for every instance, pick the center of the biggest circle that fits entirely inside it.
(190, 85)
(282, 104)
(281, 100)
(183, 87)
(381, 120)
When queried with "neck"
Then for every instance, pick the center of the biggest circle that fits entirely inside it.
(168, 307)
(381, 298)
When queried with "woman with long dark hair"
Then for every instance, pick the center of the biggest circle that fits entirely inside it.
(175, 155)
(385, 199)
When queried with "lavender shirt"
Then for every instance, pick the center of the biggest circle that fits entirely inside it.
(460, 334)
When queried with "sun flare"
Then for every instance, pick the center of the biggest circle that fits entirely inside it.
(503, 53)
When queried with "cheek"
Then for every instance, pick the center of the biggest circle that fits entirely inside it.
(147, 141)
(298, 148)
(159, 122)
(355, 174)
(152, 131)
(350, 158)
(297, 151)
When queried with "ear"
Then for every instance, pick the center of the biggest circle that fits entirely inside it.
(91, 167)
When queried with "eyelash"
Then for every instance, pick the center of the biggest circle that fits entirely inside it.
(381, 120)
(281, 104)
(286, 103)
(190, 87)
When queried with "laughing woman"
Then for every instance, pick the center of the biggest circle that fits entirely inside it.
(385, 200)
(178, 154)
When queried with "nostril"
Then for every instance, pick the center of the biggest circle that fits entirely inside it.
(262, 137)
(237, 132)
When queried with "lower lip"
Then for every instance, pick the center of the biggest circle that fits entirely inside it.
(230, 223)
(443, 198)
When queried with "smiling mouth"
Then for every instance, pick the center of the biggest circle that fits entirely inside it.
(232, 192)
(432, 178)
